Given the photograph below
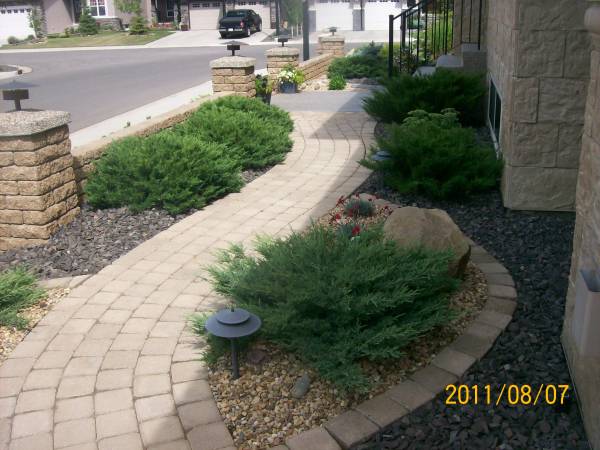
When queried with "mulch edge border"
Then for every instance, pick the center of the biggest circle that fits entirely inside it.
(358, 424)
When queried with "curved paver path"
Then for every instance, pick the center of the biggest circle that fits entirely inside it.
(112, 366)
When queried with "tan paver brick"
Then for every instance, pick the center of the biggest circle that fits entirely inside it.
(41, 441)
(382, 410)
(191, 391)
(186, 352)
(167, 329)
(35, 400)
(90, 311)
(159, 346)
(160, 430)
(116, 423)
(453, 361)
(93, 347)
(104, 331)
(18, 367)
(115, 400)
(115, 316)
(132, 441)
(103, 298)
(127, 302)
(86, 365)
(152, 407)
(66, 342)
(77, 326)
(173, 445)
(7, 406)
(28, 349)
(74, 432)
(11, 386)
(32, 423)
(120, 359)
(188, 371)
(76, 386)
(176, 314)
(350, 428)
(44, 378)
(148, 385)
(127, 341)
(317, 438)
(198, 413)
(114, 379)
(137, 325)
(148, 365)
(149, 311)
(74, 408)
(210, 437)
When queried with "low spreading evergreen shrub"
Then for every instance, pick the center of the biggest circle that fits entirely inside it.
(254, 133)
(432, 154)
(357, 66)
(444, 89)
(165, 170)
(195, 162)
(18, 289)
(335, 301)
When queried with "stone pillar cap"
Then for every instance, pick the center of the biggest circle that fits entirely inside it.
(28, 122)
(283, 51)
(232, 62)
(592, 18)
(326, 38)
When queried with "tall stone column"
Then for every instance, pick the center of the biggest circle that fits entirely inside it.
(234, 74)
(334, 45)
(585, 368)
(279, 57)
(38, 192)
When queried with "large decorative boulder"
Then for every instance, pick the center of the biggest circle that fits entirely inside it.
(432, 228)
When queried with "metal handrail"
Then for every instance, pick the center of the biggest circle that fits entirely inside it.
(437, 36)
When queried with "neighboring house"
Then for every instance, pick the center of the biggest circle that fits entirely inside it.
(356, 15)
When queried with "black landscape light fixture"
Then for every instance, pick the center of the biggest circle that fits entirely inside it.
(233, 46)
(15, 95)
(332, 30)
(233, 323)
(283, 39)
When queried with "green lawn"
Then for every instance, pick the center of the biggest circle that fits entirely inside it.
(104, 38)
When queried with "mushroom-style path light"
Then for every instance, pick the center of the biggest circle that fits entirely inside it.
(283, 39)
(16, 91)
(234, 46)
(332, 30)
(233, 323)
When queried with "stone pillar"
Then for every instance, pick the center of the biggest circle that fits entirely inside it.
(37, 182)
(234, 74)
(539, 59)
(332, 44)
(279, 57)
(586, 241)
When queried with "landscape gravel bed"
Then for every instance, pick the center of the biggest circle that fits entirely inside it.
(95, 239)
(536, 248)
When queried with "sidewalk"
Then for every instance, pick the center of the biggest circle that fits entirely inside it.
(112, 366)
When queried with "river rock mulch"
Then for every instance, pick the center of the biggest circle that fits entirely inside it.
(95, 238)
(259, 408)
(536, 248)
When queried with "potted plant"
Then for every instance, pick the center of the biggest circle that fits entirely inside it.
(289, 78)
(264, 88)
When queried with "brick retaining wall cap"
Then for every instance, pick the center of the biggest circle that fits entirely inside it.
(26, 123)
(229, 62)
(331, 38)
(283, 51)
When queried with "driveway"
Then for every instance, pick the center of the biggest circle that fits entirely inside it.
(206, 38)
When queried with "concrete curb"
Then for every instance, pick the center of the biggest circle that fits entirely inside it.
(360, 423)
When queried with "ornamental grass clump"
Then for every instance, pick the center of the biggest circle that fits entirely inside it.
(337, 302)
(431, 154)
(357, 207)
(18, 289)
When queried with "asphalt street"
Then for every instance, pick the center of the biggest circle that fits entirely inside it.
(94, 85)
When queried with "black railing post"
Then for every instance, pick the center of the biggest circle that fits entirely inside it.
(479, 30)
(403, 40)
(470, 21)
(426, 34)
(418, 30)
(446, 15)
(462, 18)
(391, 45)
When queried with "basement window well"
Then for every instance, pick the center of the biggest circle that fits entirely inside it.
(495, 111)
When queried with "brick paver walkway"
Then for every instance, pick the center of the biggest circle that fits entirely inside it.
(112, 366)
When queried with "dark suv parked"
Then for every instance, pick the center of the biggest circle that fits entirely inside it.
(239, 21)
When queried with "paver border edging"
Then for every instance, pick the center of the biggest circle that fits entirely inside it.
(449, 365)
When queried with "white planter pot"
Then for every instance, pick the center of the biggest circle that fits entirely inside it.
(586, 317)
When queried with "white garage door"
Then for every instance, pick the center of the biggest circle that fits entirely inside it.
(14, 21)
(377, 12)
(205, 15)
(261, 8)
(334, 13)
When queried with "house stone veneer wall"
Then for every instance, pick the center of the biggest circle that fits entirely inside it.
(586, 242)
(538, 58)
